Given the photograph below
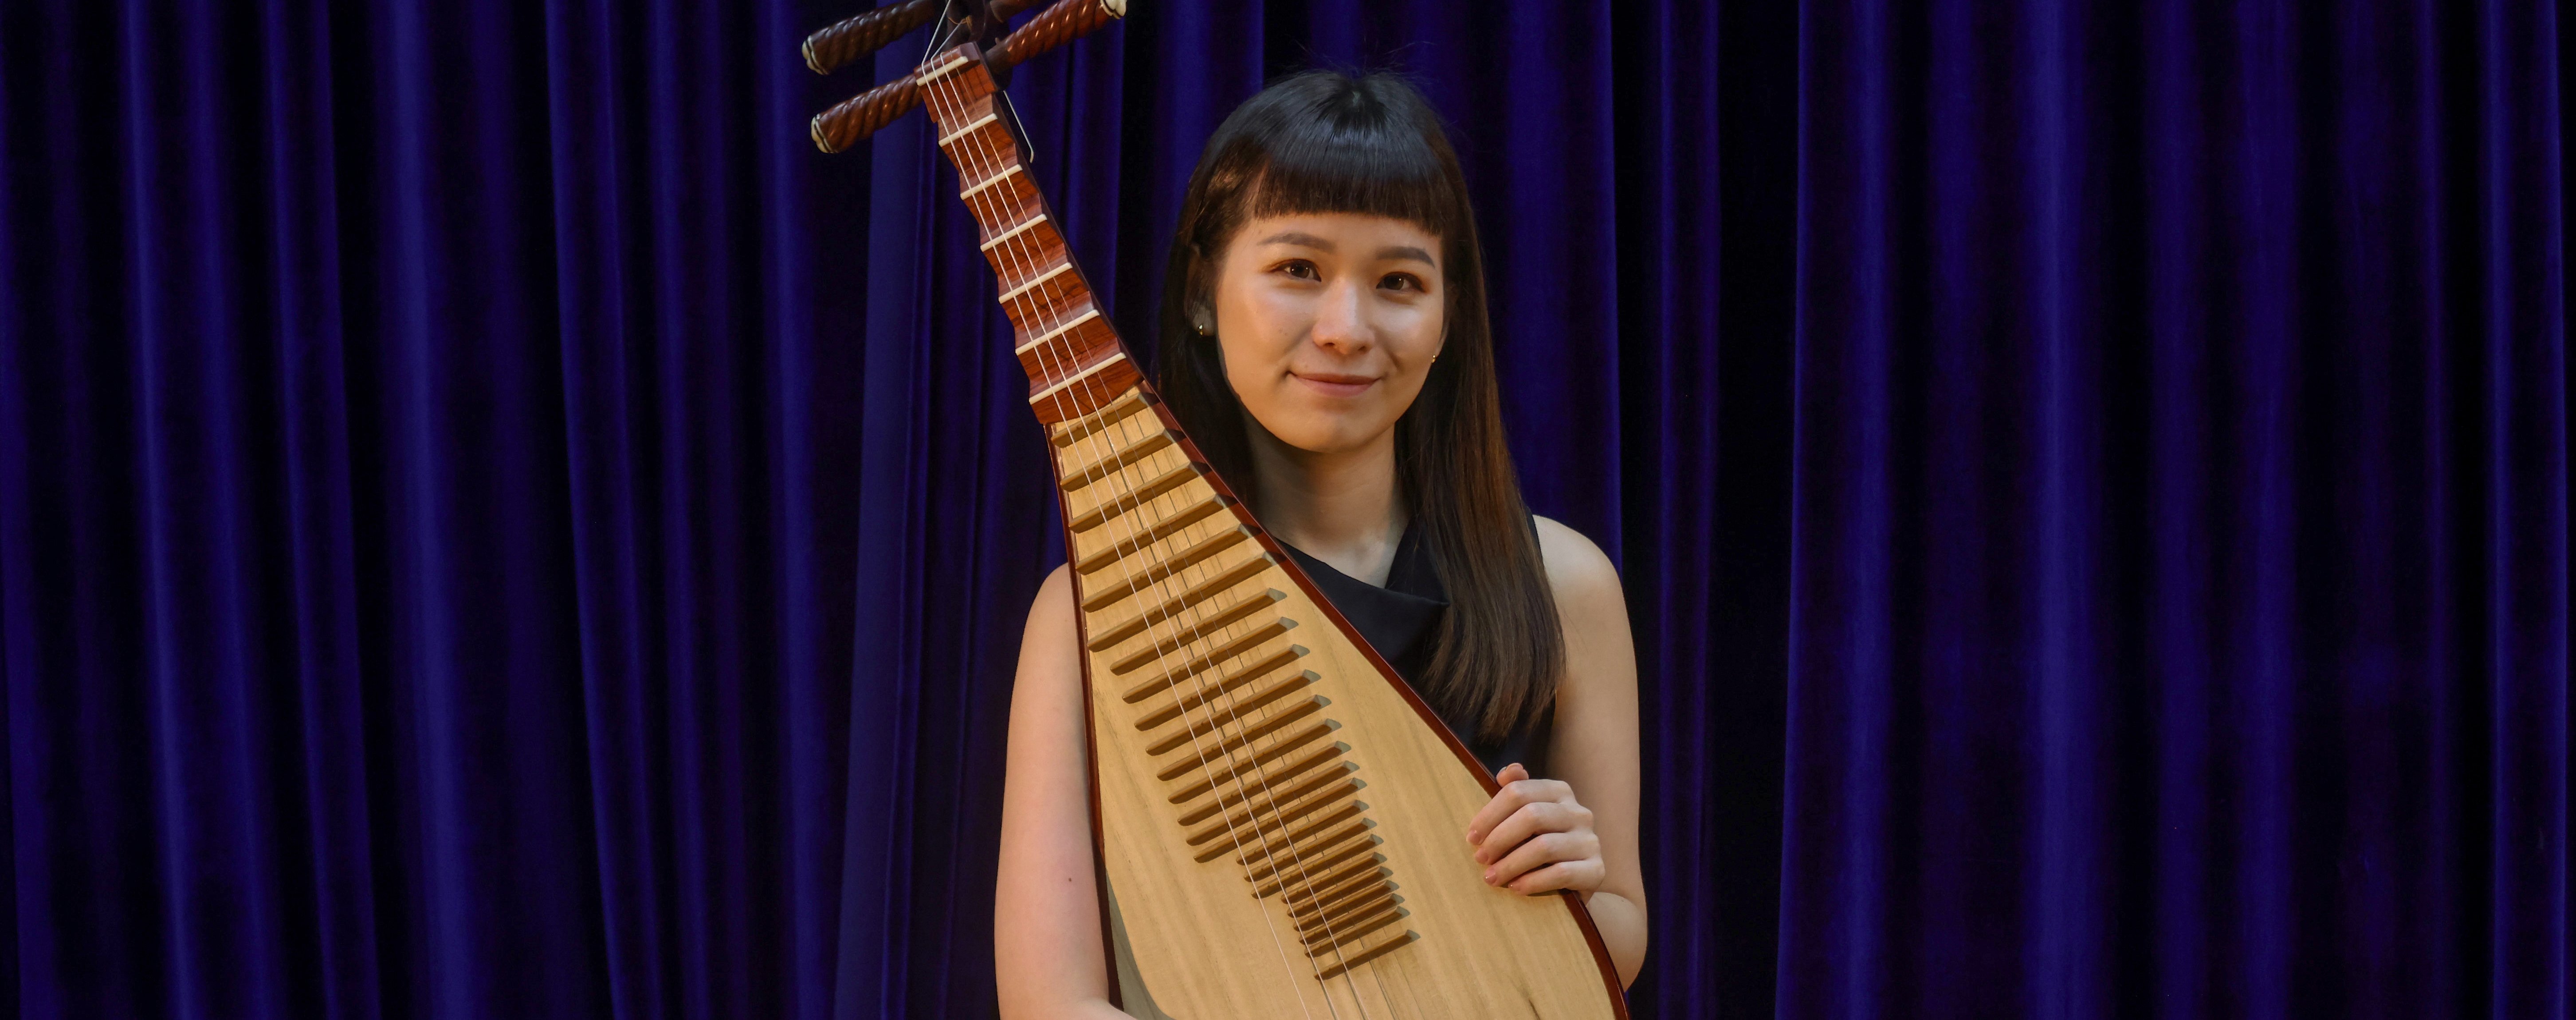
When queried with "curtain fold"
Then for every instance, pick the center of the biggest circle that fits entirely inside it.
(2180, 579)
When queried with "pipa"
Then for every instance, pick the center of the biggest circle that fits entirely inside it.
(1278, 818)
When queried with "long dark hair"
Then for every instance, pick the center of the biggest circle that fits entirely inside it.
(1322, 142)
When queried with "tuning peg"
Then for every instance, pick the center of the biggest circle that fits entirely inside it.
(835, 47)
(1057, 25)
(843, 126)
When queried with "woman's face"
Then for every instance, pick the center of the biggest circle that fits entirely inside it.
(1329, 322)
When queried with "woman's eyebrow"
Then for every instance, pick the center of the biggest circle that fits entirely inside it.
(1393, 251)
(1302, 240)
(1406, 251)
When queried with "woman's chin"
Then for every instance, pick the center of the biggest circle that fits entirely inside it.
(1324, 436)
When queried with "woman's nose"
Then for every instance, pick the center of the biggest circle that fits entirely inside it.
(1339, 323)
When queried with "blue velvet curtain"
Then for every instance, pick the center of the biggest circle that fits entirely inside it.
(2180, 605)
(491, 524)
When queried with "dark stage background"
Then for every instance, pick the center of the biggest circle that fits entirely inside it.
(492, 524)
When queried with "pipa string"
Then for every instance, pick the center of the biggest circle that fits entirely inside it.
(1040, 314)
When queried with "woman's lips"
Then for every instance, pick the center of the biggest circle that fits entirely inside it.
(1336, 385)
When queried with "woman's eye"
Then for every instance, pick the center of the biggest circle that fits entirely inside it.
(1300, 268)
(1400, 281)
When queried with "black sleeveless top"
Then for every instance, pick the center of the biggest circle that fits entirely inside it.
(1402, 621)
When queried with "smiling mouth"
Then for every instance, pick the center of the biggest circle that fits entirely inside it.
(1336, 385)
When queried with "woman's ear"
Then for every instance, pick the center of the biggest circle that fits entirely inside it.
(1202, 307)
(1201, 283)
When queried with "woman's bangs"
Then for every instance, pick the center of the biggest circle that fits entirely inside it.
(1370, 173)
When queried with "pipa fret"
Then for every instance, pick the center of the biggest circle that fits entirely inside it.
(1229, 774)
(1343, 965)
(1127, 406)
(1118, 459)
(1336, 889)
(1335, 807)
(1201, 788)
(1008, 174)
(1348, 876)
(1244, 737)
(1151, 574)
(1289, 805)
(1127, 502)
(1191, 669)
(1059, 271)
(1346, 910)
(1224, 581)
(1355, 929)
(1230, 713)
(1089, 319)
(1292, 867)
(1227, 685)
(1158, 531)
(1296, 788)
(1264, 886)
(1313, 834)
(1196, 629)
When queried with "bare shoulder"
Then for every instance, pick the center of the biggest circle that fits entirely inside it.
(1599, 658)
(1055, 596)
(1577, 570)
(1055, 604)
(1050, 640)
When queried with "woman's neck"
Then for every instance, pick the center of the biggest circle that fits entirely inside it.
(1342, 508)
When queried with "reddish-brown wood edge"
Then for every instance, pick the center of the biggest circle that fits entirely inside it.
(1090, 751)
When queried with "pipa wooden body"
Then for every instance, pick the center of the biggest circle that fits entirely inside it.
(1279, 819)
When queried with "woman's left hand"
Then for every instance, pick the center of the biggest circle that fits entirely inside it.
(1534, 837)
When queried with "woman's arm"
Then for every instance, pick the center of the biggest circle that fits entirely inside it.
(1537, 835)
(1046, 911)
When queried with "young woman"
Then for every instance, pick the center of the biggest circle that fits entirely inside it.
(1324, 339)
